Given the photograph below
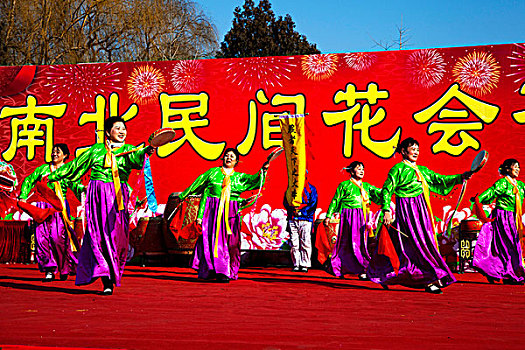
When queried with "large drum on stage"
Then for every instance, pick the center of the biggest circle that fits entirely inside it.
(468, 235)
(182, 233)
(148, 237)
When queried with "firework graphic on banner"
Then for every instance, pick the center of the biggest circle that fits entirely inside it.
(360, 60)
(477, 73)
(320, 66)
(260, 73)
(186, 76)
(426, 67)
(517, 65)
(145, 84)
(81, 83)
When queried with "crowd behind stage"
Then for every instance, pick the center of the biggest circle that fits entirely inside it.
(406, 252)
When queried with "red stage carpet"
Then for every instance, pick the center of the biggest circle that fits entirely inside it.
(267, 308)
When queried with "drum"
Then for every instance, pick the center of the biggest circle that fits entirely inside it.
(161, 137)
(468, 235)
(182, 233)
(479, 161)
(148, 237)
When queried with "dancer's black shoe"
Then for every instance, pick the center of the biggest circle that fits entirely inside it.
(433, 289)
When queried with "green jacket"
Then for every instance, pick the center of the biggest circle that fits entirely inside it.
(43, 170)
(348, 196)
(402, 181)
(209, 184)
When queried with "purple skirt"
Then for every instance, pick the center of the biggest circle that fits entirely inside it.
(106, 241)
(53, 250)
(420, 261)
(350, 254)
(229, 246)
(498, 252)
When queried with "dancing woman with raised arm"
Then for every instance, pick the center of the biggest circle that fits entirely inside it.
(54, 252)
(499, 249)
(218, 251)
(352, 200)
(412, 232)
(105, 244)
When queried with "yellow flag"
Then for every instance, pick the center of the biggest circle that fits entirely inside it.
(292, 129)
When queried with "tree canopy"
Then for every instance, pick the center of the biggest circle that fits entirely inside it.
(257, 33)
(74, 31)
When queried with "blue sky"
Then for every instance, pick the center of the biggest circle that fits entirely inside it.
(349, 25)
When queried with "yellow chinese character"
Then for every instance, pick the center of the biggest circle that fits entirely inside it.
(271, 130)
(383, 149)
(483, 110)
(27, 132)
(519, 116)
(99, 116)
(207, 150)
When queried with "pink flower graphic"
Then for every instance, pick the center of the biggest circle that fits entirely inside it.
(266, 229)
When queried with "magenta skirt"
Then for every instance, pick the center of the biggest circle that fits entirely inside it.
(420, 261)
(53, 250)
(498, 252)
(106, 241)
(228, 259)
(350, 254)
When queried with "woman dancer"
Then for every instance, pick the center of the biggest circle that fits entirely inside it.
(352, 199)
(218, 251)
(412, 233)
(53, 247)
(499, 253)
(105, 244)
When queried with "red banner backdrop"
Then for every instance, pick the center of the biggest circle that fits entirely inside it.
(455, 101)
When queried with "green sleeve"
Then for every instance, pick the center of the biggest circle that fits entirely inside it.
(440, 184)
(388, 189)
(251, 182)
(335, 204)
(136, 159)
(375, 194)
(29, 182)
(491, 193)
(75, 169)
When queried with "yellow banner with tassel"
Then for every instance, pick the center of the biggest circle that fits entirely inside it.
(294, 144)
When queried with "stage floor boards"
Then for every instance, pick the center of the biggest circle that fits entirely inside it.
(267, 308)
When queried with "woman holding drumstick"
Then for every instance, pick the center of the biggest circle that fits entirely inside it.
(105, 244)
(218, 251)
(412, 232)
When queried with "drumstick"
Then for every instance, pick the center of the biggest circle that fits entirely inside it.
(461, 194)
(174, 210)
(404, 234)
